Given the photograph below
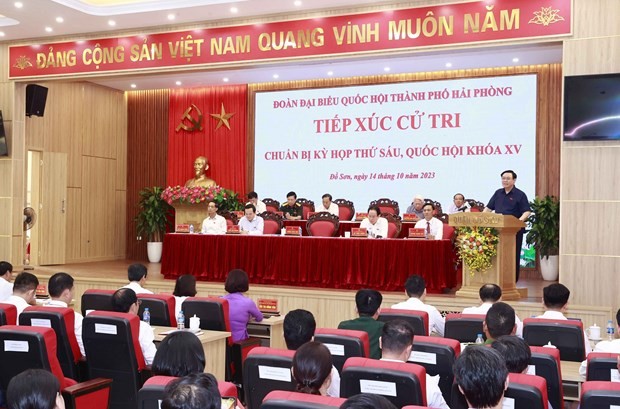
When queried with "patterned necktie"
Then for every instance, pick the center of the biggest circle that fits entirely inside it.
(428, 227)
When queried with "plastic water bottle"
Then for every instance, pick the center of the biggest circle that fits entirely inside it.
(191, 229)
(181, 320)
(146, 316)
(479, 340)
(610, 330)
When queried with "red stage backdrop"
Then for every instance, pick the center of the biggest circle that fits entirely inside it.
(225, 148)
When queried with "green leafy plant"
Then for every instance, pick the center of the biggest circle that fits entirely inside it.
(226, 200)
(152, 219)
(544, 222)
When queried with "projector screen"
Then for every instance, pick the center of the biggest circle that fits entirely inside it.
(361, 143)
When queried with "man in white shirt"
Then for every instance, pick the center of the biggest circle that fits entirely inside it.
(458, 204)
(125, 300)
(24, 292)
(214, 223)
(376, 227)
(432, 226)
(6, 287)
(489, 295)
(251, 223)
(555, 298)
(136, 273)
(396, 343)
(60, 288)
(481, 375)
(415, 288)
(327, 205)
(258, 204)
(612, 347)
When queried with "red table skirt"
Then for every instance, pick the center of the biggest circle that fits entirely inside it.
(345, 226)
(312, 261)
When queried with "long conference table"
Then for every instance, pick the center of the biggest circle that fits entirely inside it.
(322, 262)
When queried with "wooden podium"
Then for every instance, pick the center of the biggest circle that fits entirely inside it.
(502, 271)
(190, 213)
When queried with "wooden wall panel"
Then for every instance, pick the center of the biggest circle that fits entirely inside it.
(105, 113)
(120, 220)
(121, 148)
(74, 222)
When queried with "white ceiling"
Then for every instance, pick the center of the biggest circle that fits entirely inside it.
(91, 16)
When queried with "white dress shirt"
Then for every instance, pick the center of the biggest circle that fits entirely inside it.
(137, 288)
(612, 347)
(434, 397)
(6, 289)
(484, 308)
(453, 209)
(436, 322)
(256, 226)
(333, 209)
(436, 226)
(146, 338)
(334, 387)
(260, 206)
(215, 225)
(557, 315)
(19, 303)
(77, 322)
(380, 228)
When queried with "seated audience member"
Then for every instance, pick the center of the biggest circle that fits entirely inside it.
(195, 391)
(251, 223)
(125, 300)
(291, 209)
(6, 287)
(327, 205)
(179, 354)
(24, 292)
(367, 304)
(376, 226)
(34, 389)
(299, 327)
(458, 204)
(184, 287)
(555, 298)
(515, 351)
(367, 401)
(415, 288)
(499, 321)
(481, 376)
(396, 345)
(417, 207)
(241, 308)
(490, 294)
(312, 368)
(258, 204)
(60, 288)
(432, 226)
(612, 347)
(213, 223)
(136, 273)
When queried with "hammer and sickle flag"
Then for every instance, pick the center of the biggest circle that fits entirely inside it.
(196, 124)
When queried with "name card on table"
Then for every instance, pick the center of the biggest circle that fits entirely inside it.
(416, 233)
(359, 232)
(233, 229)
(293, 231)
(182, 228)
(410, 217)
(359, 216)
(268, 305)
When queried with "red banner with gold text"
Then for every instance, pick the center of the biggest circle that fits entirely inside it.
(398, 30)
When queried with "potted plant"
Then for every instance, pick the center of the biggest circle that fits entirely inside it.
(152, 220)
(544, 234)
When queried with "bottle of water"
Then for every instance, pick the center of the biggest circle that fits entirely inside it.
(181, 320)
(610, 330)
(146, 316)
(191, 229)
(479, 340)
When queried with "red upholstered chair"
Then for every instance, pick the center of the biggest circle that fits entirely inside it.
(402, 383)
(386, 205)
(8, 314)
(417, 319)
(296, 400)
(527, 391)
(265, 370)
(448, 231)
(152, 392)
(437, 355)
(414, 407)
(438, 210)
(272, 205)
(113, 350)
(23, 347)
(97, 300)
(599, 366)
(546, 363)
(566, 335)
(464, 327)
(62, 321)
(394, 224)
(346, 209)
(343, 344)
(273, 222)
(161, 308)
(599, 395)
(307, 206)
(323, 224)
(474, 205)
(231, 218)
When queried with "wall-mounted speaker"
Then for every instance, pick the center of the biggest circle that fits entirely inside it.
(36, 96)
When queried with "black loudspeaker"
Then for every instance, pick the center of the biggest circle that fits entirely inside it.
(35, 99)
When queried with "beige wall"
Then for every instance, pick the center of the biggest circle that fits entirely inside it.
(590, 173)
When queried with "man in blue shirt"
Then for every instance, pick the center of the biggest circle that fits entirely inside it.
(510, 200)
(251, 223)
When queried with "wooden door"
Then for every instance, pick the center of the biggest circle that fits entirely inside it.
(52, 214)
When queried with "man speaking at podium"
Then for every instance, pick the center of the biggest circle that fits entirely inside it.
(512, 201)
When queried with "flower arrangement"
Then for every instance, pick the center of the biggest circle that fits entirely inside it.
(476, 247)
(224, 198)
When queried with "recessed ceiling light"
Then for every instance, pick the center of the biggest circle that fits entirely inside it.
(276, 76)
(2, 34)
(515, 59)
(48, 29)
(60, 20)
(330, 73)
(178, 83)
(133, 85)
(448, 64)
(225, 79)
(234, 9)
(386, 69)
(18, 4)
(297, 3)
(171, 16)
(111, 23)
